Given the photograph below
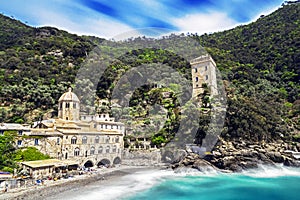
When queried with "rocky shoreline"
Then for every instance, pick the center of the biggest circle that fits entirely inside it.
(236, 156)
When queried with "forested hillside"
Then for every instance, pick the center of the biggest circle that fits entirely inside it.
(261, 61)
(36, 66)
(260, 64)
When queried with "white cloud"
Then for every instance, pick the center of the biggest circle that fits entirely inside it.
(204, 22)
(101, 26)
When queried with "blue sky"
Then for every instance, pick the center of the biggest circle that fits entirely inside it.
(109, 18)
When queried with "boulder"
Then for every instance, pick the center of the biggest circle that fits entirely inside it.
(291, 162)
(275, 157)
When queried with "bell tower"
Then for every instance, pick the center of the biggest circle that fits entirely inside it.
(69, 106)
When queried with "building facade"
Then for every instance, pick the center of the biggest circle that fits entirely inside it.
(89, 140)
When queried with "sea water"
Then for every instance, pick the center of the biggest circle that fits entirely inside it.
(266, 183)
(224, 187)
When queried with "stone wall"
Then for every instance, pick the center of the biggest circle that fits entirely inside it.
(142, 158)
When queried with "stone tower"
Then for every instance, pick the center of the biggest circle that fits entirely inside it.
(204, 71)
(69, 106)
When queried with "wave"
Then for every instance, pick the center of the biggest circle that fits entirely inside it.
(266, 171)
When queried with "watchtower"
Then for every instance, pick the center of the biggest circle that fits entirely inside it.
(204, 72)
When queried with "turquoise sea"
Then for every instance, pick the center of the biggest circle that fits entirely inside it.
(264, 183)
(224, 187)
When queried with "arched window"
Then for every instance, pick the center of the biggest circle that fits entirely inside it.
(100, 150)
(97, 139)
(73, 140)
(67, 105)
(84, 140)
(76, 151)
(107, 149)
(117, 139)
(206, 77)
(92, 152)
(114, 149)
(107, 139)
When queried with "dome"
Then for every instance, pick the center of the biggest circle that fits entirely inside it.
(69, 96)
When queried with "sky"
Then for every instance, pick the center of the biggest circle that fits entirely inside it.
(112, 18)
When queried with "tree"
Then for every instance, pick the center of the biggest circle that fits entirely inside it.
(7, 149)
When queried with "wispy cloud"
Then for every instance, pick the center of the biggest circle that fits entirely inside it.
(205, 23)
(107, 18)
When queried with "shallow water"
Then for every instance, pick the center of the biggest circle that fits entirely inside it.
(264, 183)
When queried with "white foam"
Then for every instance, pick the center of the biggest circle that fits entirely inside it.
(264, 171)
(119, 188)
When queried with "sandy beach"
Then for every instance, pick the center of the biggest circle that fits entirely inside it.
(53, 188)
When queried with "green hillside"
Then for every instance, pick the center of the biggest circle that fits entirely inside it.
(260, 64)
(36, 67)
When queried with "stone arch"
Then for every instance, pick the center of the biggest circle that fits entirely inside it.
(104, 162)
(88, 163)
(117, 161)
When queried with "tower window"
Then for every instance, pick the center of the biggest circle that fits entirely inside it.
(76, 152)
(97, 139)
(92, 151)
(196, 70)
(197, 79)
(67, 105)
(36, 141)
(206, 68)
(74, 105)
(84, 140)
(100, 150)
(114, 149)
(107, 139)
(107, 149)
(73, 140)
(206, 77)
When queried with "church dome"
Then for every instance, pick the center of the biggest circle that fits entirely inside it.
(69, 96)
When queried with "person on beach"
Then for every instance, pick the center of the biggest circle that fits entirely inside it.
(6, 187)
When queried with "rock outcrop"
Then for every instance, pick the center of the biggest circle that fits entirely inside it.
(236, 156)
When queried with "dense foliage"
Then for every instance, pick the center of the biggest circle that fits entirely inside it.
(259, 62)
(36, 66)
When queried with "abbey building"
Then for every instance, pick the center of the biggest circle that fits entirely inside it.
(84, 140)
